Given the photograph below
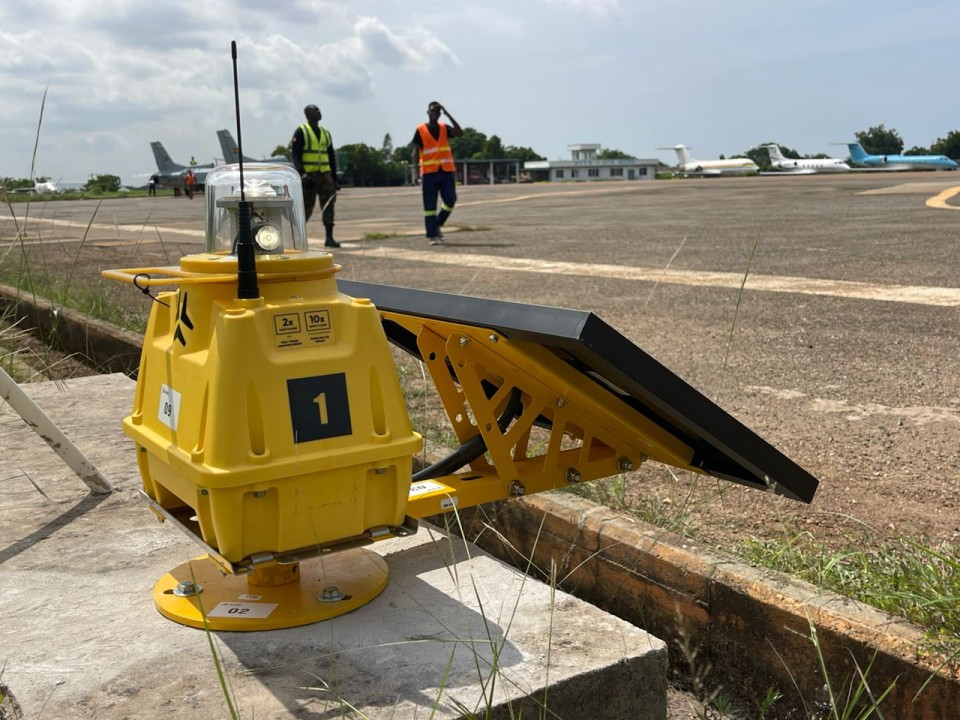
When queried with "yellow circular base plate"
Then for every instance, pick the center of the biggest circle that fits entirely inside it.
(230, 603)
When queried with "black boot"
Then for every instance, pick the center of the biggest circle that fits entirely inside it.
(330, 242)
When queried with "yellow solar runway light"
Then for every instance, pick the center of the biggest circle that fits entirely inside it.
(271, 427)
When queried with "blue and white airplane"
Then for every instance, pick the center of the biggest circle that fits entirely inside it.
(899, 162)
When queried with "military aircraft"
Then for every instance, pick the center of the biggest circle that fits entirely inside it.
(231, 152)
(807, 166)
(859, 156)
(711, 168)
(171, 174)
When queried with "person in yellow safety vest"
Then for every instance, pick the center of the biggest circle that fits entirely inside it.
(314, 157)
(433, 159)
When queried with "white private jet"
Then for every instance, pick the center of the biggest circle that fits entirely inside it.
(711, 168)
(807, 166)
(48, 186)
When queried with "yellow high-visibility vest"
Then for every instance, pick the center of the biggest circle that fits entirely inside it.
(435, 153)
(315, 158)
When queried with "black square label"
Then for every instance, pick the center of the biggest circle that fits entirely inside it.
(319, 407)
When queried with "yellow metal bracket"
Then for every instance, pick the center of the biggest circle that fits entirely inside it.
(559, 431)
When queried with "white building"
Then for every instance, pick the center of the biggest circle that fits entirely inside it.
(584, 165)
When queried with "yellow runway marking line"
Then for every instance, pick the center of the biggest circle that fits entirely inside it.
(919, 295)
(940, 201)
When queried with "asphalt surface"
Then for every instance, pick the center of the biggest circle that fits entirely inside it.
(842, 349)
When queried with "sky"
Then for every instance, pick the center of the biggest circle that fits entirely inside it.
(719, 76)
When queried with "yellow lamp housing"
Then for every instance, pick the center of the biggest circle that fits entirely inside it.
(270, 429)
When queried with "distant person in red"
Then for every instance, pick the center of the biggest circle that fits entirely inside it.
(434, 159)
(189, 183)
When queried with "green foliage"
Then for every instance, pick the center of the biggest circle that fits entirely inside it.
(492, 150)
(611, 154)
(880, 141)
(760, 156)
(905, 578)
(469, 144)
(523, 154)
(386, 150)
(18, 183)
(949, 145)
(402, 154)
(282, 151)
(102, 183)
(917, 150)
(366, 167)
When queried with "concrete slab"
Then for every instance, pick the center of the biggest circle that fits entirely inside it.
(454, 630)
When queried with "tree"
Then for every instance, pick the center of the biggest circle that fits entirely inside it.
(468, 144)
(402, 154)
(492, 150)
(16, 183)
(760, 156)
(610, 154)
(365, 166)
(917, 150)
(523, 154)
(281, 151)
(880, 141)
(102, 183)
(386, 150)
(949, 146)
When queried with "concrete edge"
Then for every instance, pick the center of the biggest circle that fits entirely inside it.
(751, 626)
(104, 345)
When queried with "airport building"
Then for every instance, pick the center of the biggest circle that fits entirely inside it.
(584, 165)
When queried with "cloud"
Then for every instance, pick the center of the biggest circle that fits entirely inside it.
(415, 50)
(601, 8)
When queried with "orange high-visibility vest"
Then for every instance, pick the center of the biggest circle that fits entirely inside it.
(435, 154)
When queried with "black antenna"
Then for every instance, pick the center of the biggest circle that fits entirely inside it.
(246, 254)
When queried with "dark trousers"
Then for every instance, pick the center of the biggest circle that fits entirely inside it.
(443, 184)
(320, 186)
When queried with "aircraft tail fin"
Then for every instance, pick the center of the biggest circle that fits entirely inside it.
(775, 154)
(857, 153)
(164, 162)
(683, 155)
(229, 148)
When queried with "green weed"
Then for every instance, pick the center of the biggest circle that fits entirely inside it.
(910, 579)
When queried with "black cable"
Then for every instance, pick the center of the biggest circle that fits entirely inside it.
(146, 290)
(472, 448)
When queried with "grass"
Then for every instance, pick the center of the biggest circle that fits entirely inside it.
(907, 578)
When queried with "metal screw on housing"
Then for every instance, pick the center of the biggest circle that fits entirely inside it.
(624, 464)
(331, 593)
(464, 341)
(644, 457)
(517, 489)
(572, 476)
(187, 588)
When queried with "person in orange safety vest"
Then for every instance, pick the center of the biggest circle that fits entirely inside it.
(433, 161)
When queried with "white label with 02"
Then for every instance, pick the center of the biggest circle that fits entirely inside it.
(243, 610)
